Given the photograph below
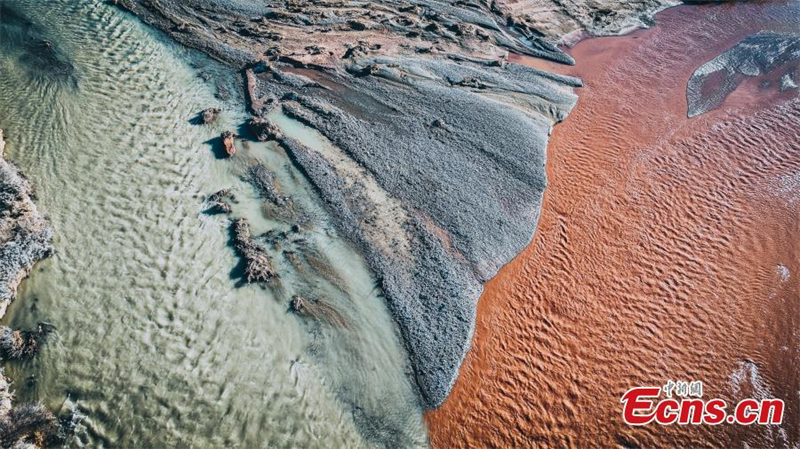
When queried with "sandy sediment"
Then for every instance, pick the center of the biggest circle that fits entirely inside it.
(432, 158)
(667, 249)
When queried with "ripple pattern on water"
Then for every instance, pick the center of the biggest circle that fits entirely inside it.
(154, 343)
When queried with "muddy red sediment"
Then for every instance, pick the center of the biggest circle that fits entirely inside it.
(667, 249)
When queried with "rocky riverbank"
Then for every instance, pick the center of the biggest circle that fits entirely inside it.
(434, 151)
(25, 238)
(25, 235)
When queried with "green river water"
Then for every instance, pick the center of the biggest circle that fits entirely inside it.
(156, 343)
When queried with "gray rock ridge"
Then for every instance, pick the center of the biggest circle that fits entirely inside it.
(560, 20)
(468, 159)
(753, 56)
(431, 294)
(25, 235)
(319, 30)
(323, 31)
(431, 148)
(436, 170)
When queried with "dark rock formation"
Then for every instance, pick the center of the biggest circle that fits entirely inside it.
(209, 116)
(25, 236)
(228, 143)
(257, 265)
(219, 202)
(263, 129)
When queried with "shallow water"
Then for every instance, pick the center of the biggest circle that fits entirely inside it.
(667, 249)
(156, 344)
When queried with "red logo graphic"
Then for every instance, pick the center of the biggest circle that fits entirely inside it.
(641, 406)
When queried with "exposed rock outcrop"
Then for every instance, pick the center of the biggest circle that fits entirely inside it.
(756, 55)
(209, 116)
(558, 20)
(243, 32)
(219, 202)
(257, 265)
(263, 129)
(26, 426)
(22, 344)
(228, 142)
